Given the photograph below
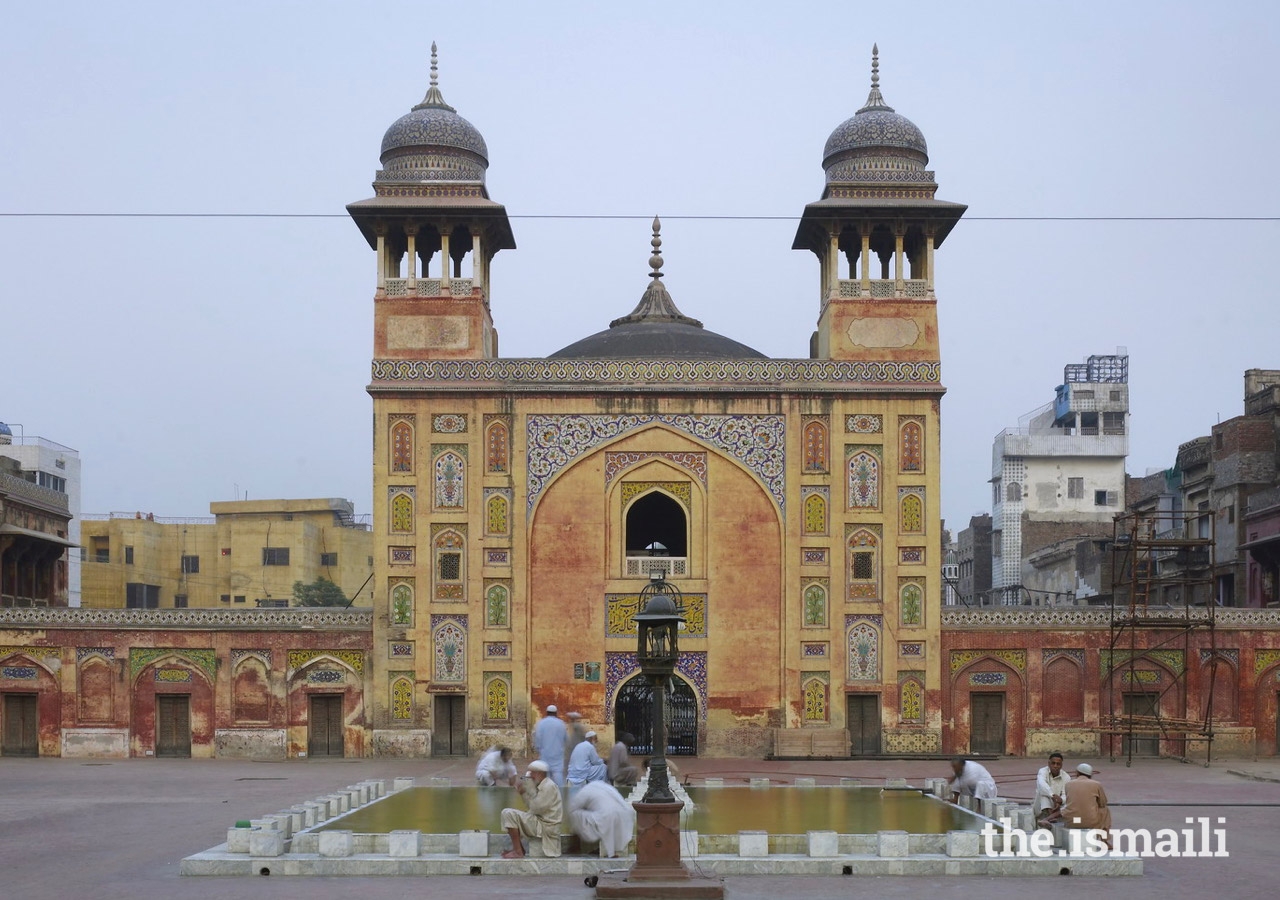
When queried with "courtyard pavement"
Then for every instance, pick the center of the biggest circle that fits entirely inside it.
(118, 828)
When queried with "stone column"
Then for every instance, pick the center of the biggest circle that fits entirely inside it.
(445, 261)
(928, 263)
(897, 261)
(382, 259)
(833, 265)
(477, 260)
(866, 260)
(411, 272)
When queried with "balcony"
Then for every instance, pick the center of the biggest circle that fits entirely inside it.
(671, 566)
(1023, 442)
(426, 287)
(886, 288)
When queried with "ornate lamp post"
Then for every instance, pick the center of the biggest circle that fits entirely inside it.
(658, 871)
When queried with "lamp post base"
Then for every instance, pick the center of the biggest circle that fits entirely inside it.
(658, 872)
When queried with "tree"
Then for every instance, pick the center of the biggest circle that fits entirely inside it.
(321, 592)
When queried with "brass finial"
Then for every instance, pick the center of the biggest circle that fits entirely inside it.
(434, 99)
(655, 261)
(875, 64)
(874, 99)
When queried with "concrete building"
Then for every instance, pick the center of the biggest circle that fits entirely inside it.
(34, 523)
(51, 465)
(248, 554)
(516, 501)
(1061, 473)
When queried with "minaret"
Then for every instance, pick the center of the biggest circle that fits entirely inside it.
(874, 232)
(435, 231)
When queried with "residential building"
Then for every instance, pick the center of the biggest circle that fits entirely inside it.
(34, 524)
(973, 556)
(51, 465)
(248, 554)
(1061, 473)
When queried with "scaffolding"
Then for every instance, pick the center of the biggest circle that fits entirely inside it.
(1162, 596)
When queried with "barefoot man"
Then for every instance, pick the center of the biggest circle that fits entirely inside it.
(542, 796)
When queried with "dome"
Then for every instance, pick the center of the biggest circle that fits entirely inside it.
(876, 131)
(656, 329)
(433, 127)
(5, 430)
(657, 340)
(432, 142)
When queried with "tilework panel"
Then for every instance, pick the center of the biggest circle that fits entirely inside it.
(620, 611)
(353, 658)
(173, 676)
(1174, 659)
(815, 649)
(497, 650)
(141, 657)
(104, 652)
(449, 640)
(30, 673)
(756, 441)
(326, 676)
(863, 423)
(449, 423)
(681, 490)
(691, 666)
(962, 658)
(615, 463)
(863, 639)
(988, 679)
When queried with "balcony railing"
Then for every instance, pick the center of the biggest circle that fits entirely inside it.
(426, 287)
(885, 288)
(672, 566)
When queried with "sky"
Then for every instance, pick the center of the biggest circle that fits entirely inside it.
(191, 360)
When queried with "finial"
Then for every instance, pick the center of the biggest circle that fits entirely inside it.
(434, 99)
(874, 99)
(655, 261)
(875, 63)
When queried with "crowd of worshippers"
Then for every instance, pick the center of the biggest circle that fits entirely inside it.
(567, 755)
(1078, 802)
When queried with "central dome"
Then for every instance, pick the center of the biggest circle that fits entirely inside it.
(656, 329)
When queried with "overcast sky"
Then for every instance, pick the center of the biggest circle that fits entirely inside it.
(185, 357)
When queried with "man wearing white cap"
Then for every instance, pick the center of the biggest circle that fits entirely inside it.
(585, 765)
(1085, 804)
(548, 741)
(542, 796)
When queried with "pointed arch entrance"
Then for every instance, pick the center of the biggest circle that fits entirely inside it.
(633, 713)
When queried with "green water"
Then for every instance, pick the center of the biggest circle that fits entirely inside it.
(778, 810)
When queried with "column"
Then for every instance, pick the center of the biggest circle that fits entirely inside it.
(866, 260)
(897, 261)
(477, 261)
(411, 272)
(382, 260)
(928, 263)
(445, 261)
(833, 265)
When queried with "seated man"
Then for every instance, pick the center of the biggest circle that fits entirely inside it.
(1051, 784)
(542, 796)
(496, 767)
(620, 770)
(585, 765)
(970, 778)
(597, 812)
(1085, 804)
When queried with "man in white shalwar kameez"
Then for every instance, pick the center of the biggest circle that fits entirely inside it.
(597, 812)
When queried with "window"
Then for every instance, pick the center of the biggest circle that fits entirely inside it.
(102, 554)
(1083, 395)
(1089, 423)
(328, 559)
(142, 596)
(225, 598)
(239, 598)
(52, 482)
(190, 565)
(1113, 423)
(995, 492)
(1231, 514)
(1115, 396)
(128, 556)
(1014, 492)
(1075, 488)
(1100, 498)
(275, 556)
(997, 538)
(450, 566)
(1218, 441)
(179, 601)
(864, 565)
(271, 603)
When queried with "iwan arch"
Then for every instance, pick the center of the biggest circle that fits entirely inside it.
(516, 501)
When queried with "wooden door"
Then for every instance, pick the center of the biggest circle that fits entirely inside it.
(986, 712)
(21, 735)
(173, 725)
(449, 731)
(1141, 703)
(864, 724)
(324, 725)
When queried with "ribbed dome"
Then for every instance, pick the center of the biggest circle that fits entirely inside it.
(656, 329)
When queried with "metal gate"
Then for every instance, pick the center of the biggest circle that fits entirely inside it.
(987, 719)
(173, 725)
(633, 712)
(21, 735)
(1144, 705)
(324, 725)
(864, 724)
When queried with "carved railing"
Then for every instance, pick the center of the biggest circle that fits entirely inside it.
(673, 566)
(426, 287)
(883, 288)
(1100, 617)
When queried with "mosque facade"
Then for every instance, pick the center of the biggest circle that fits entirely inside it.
(520, 505)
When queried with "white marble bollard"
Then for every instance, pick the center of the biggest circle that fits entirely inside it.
(400, 784)
(688, 843)
(238, 840)
(283, 823)
(437, 781)
(753, 843)
(405, 842)
(266, 842)
(297, 818)
(962, 843)
(335, 843)
(759, 782)
(895, 782)
(713, 782)
(893, 843)
(850, 782)
(824, 843)
(805, 782)
(473, 843)
(313, 812)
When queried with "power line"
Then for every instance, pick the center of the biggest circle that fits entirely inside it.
(586, 216)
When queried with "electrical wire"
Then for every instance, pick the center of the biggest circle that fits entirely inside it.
(588, 216)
